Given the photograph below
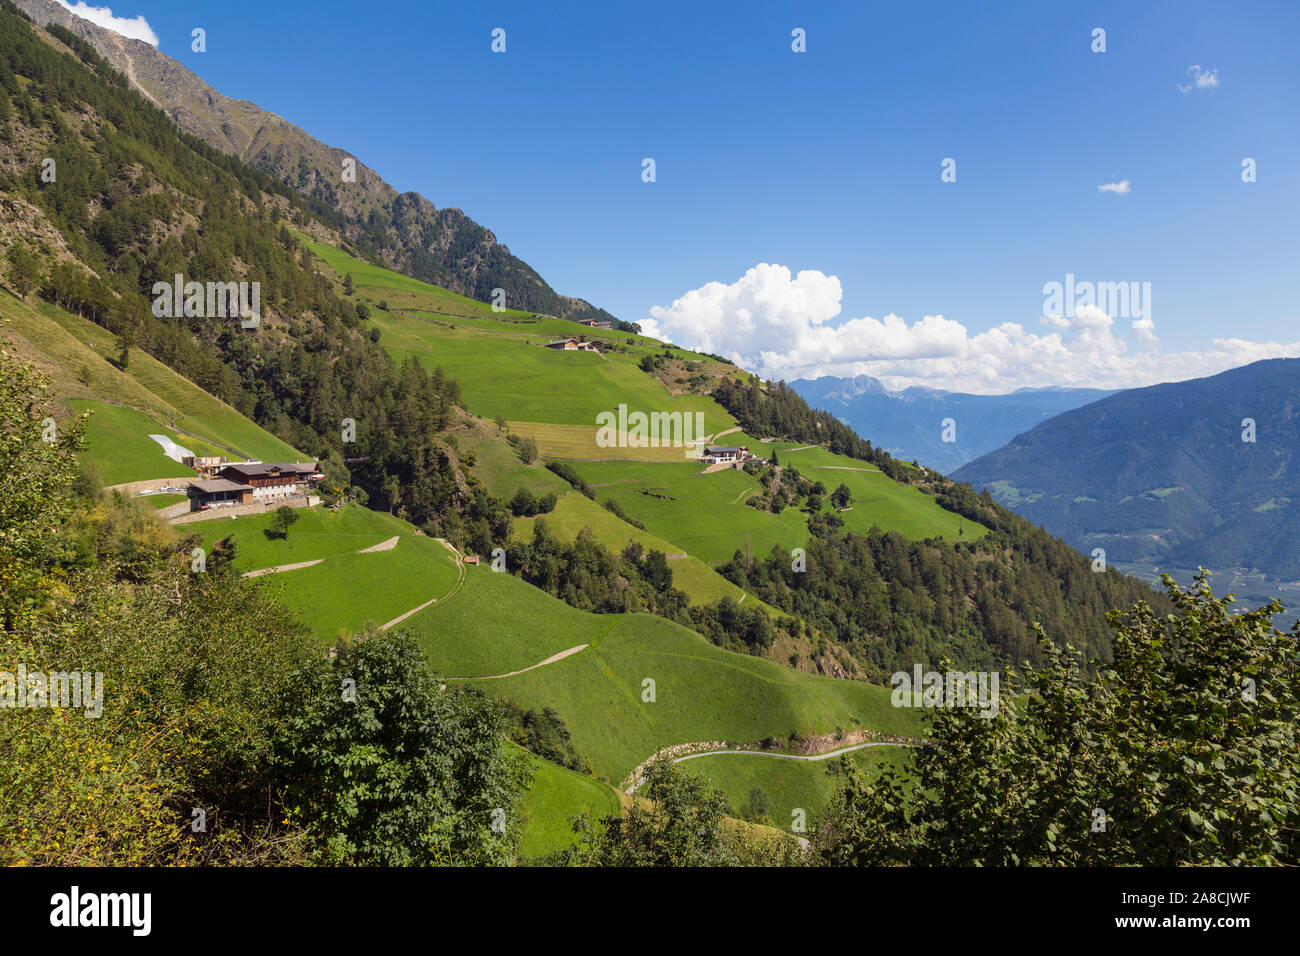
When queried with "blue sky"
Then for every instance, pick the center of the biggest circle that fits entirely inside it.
(827, 163)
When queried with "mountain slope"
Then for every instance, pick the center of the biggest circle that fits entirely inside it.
(129, 404)
(909, 424)
(404, 230)
(1163, 473)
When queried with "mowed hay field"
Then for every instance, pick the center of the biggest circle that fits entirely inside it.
(318, 533)
(702, 693)
(790, 785)
(348, 591)
(119, 446)
(579, 443)
(497, 623)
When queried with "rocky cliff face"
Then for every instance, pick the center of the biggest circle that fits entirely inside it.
(404, 230)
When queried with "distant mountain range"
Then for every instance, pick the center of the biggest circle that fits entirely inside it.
(405, 230)
(910, 424)
(1166, 474)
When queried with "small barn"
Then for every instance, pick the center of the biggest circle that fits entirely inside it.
(217, 493)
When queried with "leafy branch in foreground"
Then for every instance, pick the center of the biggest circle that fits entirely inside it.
(1183, 751)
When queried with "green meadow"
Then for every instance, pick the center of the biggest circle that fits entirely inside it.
(497, 466)
(701, 692)
(497, 623)
(119, 446)
(347, 592)
(878, 499)
(790, 785)
(705, 515)
(318, 533)
(520, 379)
(555, 796)
(575, 511)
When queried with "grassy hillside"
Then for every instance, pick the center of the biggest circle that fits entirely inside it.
(706, 514)
(318, 533)
(702, 691)
(497, 624)
(147, 398)
(574, 511)
(555, 796)
(421, 320)
(806, 785)
(348, 589)
(119, 446)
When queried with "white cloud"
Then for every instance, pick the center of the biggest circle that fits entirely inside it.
(779, 325)
(1121, 187)
(1201, 79)
(1144, 329)
(135, 28)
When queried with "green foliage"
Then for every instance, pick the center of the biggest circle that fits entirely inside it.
(683, 826)
(1182, 751)
(587, 576)
(543, 733)
(386, 769)
(614, 508)
(284, 519)
(24, 270)
(565, 471)
(36, 476)
(895, 603)
(841, 497)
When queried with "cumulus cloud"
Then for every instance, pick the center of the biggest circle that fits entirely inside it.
(1144, 329)
(1121, 187)
(1201, 79)
(779, 325)
(134, 28)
